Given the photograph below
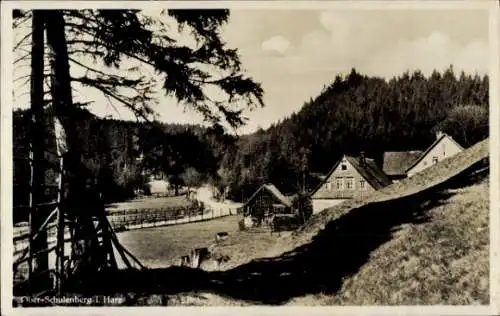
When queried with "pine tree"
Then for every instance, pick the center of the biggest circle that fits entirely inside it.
(114, 37)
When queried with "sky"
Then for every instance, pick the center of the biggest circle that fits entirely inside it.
(295, 53)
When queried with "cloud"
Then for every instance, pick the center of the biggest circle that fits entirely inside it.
(277, 44)
(473, 57)
(388, 48)
(339, 24)
(435, 51)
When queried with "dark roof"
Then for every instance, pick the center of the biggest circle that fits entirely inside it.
(274, 191)
(443, 135)
(397, 162)
(368, 170)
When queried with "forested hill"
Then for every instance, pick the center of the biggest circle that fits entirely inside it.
(360, 113)
(352, 114)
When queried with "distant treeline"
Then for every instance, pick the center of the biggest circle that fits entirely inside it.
(352, 114)
(112, 151)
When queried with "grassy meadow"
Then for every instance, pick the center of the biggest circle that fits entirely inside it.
(161, 246)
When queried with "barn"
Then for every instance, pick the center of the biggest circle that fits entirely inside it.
(263, 205)
(351, 177)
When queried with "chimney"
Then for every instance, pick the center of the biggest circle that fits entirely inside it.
(439, 134)
(362, 157)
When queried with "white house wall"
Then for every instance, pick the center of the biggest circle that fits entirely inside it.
(322, 204)
(159, 186)
(444, 149)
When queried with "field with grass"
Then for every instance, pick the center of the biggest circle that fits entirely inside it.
(161, 246)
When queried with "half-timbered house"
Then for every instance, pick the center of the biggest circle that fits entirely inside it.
(350, 177)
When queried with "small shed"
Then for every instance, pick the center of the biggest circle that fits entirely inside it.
(157, 187)
(266, 202)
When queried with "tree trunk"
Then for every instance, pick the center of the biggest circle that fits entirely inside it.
(62, 94)
(82, 205)
(38, 214)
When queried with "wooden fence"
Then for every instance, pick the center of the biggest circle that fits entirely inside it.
(120, 220)
(143, 218)
(133, 219)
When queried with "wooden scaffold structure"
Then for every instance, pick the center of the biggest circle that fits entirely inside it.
(69, 238)
(84, 229)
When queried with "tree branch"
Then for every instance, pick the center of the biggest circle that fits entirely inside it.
(81, 31)
(24, 57)
(91, 69)
(18, 44)
(27, 17)
(110, 93)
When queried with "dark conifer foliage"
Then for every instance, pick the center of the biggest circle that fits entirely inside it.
(117, 37)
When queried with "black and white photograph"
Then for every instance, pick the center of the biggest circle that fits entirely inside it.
(249, 154)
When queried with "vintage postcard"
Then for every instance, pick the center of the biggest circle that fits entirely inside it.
(322, 157)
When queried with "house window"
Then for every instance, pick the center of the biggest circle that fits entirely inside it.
(350, 183)
(434, 160)
(329, 186)
(340, 184)
(343, 167)
(362, 184)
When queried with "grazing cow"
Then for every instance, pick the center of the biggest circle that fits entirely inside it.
(221, 236)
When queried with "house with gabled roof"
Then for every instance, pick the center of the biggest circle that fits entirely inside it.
(266, 202)
(443, 147)
(351, 177)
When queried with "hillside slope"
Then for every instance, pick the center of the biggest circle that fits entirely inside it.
(444, 260)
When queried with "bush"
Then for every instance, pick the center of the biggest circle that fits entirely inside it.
(467, 124)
